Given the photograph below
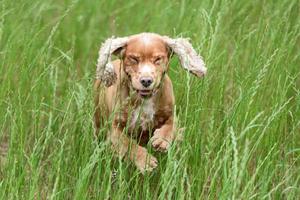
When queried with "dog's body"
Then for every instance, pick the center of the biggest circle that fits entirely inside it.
(138, 94)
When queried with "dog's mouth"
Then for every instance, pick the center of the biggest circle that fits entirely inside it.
(145, 93)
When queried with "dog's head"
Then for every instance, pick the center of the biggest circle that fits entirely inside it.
(145, 59)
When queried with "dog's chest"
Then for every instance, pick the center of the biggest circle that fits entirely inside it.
(143, 115)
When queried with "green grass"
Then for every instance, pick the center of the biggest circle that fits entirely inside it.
(242, 137)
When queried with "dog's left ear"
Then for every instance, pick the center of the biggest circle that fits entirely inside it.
(105, 69)
(187, 55)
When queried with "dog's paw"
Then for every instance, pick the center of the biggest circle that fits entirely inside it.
(144, 161)
(160, 142)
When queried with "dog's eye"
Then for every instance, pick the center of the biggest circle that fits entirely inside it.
(158, 61)
(133, 60)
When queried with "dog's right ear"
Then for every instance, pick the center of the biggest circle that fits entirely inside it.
(105, 70)
(188, 56)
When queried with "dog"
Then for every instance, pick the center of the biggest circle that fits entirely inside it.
(136, 93)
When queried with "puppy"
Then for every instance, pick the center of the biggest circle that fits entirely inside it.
(136, 93)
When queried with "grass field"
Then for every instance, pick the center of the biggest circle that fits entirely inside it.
(242, 137)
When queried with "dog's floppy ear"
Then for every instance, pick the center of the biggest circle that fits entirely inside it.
(187, 55)
(105, 69)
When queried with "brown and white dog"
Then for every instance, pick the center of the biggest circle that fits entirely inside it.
(137, 94)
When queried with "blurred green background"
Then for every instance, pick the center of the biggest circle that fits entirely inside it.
(242, 137)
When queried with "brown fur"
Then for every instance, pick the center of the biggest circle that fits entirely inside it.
(144, 55)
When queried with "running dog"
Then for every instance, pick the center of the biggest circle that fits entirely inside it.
(136, 93)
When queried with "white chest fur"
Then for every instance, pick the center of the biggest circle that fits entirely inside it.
(142, 116)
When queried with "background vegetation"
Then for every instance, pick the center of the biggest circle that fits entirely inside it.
(242, 138)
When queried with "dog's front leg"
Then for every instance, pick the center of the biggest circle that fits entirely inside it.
(164, 136)
(136, 153)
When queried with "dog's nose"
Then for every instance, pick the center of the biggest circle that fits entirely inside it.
(146, 81)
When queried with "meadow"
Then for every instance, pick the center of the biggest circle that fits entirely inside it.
(242, 121)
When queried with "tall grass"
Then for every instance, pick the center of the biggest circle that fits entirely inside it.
(242, 136)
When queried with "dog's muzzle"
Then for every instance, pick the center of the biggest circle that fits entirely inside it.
(145, 93)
